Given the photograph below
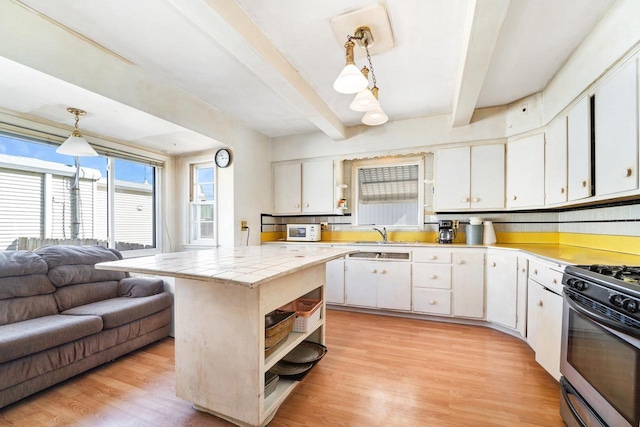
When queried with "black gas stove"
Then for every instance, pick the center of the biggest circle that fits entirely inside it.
(611, 291)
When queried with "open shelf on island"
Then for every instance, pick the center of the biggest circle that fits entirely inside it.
(289, 344)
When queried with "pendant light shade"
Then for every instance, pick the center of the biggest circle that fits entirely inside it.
(76, 145)
(364, 100)
(375, 117)
(350, 79)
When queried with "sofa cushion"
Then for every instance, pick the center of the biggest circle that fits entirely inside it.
(118, 311)
(18, 309)
(25, 286)
(64, 275)
(34, 335)
(86, 293)
(21, 263)
(136, 287)
(56, 255)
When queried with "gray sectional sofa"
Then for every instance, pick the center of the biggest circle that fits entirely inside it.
(59, 316)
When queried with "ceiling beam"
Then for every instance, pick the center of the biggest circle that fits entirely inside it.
(229, 26)
(482, 29)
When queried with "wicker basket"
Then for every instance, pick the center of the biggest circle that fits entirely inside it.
(278, 325)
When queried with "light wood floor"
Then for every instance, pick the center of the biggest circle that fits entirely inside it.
(379, 371)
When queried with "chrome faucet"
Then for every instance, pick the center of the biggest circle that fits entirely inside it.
(383, 233)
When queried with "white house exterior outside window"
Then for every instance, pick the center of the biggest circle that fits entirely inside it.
(36, 202)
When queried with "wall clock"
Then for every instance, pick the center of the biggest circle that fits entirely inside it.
(223, 158)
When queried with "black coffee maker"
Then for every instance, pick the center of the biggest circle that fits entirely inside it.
(446, 231)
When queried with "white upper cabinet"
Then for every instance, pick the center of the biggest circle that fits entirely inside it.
(525, 172)
(616, 128)
(556, 163)
(304, 188)
(470, 178)
(287, 188)
(579, 147)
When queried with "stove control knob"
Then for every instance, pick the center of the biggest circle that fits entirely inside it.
(577, 284)
(616, 300)
(630, 305)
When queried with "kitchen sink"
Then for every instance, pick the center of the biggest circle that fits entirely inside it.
(380, 242)
(382, 255)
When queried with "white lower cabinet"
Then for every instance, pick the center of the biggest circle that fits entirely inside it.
(502, 289)
(378, 284)
(544, 316)
(432, 301)
(334, 289)
(467, 279)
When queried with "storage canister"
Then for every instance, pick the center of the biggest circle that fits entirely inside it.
(474, 234)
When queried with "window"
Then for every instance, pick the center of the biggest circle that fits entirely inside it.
(202, 204)
(59, 201)
(389, 194)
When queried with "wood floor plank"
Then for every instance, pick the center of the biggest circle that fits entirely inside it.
(379, 371)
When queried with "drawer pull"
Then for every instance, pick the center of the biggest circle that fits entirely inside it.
(464, 200)
(433, 276)
(383, 272)
(539, 303)
(432, 302)
(555, 281)
(535, 272)
(475, 199)
(460, 262)
(374, 271)
(432, 257)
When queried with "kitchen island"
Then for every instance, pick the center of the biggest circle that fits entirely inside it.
(221, 299)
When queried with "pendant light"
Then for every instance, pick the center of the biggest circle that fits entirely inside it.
(350, 79)
(376, 116)
(347, 82)
(76, 145)
(364, 100)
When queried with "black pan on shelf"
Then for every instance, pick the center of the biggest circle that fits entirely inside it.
(306, 352)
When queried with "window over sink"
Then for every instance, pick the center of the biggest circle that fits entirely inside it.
(389, 192)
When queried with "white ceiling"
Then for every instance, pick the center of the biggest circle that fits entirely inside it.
(271, 64)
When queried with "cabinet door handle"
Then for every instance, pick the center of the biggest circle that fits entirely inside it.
(460, 262)
(555, 281)
(514, 197)
(433, 276)
(374, 271)
(562, 190)
(535, 272)
(432, 302)
(383, 271)
(629, 172)
(464, 199)
(297, 205)
(493, 264)
(475, 199)
(524, 270)
(539, 303)
(584, 183)
(306, 205)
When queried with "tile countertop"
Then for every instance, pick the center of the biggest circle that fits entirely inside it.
(564, 254)
(248, 266)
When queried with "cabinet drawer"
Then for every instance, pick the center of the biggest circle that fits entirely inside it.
(432, 256)
(432, 276)
(433, 301)
(546, 276)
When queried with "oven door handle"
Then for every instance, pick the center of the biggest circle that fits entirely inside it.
(599, 318)
(568, 389)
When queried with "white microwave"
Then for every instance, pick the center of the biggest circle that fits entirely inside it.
(303, 232)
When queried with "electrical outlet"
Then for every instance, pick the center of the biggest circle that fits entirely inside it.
(243, 225)
(324, 225)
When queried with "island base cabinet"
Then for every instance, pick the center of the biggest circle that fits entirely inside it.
(432, 301)
(220, 359)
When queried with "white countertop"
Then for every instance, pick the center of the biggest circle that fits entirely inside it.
(247, 266)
